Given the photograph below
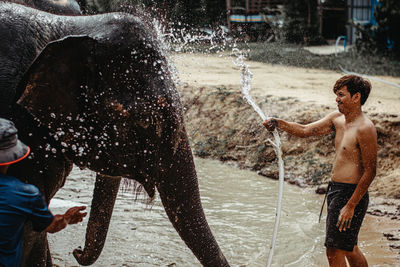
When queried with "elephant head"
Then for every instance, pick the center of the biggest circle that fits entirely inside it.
(103, 91)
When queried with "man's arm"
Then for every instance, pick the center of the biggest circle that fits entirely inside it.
(72, 216)
(367, 140)
(320, 127)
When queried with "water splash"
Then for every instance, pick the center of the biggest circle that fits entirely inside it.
(165, 47)
(182, 39)
(245, 80)
(185, 39)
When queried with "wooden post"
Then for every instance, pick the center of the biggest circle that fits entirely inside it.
(228, 13)
(247, 7)
(320, 14)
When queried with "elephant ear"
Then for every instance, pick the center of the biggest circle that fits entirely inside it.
(58, 78)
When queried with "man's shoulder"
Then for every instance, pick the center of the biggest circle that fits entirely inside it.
(335, 116)
(366, 125)
(18, 185)
(366, 128)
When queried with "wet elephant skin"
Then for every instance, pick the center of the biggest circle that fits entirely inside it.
(96, 91)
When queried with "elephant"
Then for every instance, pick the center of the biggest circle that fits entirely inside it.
(61, 7)
(97, 91)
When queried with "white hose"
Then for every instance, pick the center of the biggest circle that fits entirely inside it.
(278, 151)
(370, 77)
(358, 74)
(337, 43)
(245, 80)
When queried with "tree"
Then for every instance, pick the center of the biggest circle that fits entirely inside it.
(215, 12)
(301, 23)
(186, 12)
(383, 38)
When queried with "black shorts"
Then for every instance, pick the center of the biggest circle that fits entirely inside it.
(338, 195)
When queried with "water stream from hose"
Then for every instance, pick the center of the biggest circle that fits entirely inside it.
(245, 80)
(245, 77)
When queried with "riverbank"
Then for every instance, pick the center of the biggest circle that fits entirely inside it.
(221, 125)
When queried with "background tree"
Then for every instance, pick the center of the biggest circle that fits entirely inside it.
(214, 12)
(301, 24)
(187, 12)
(384, 38)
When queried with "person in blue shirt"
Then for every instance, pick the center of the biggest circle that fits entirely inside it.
(21, 202)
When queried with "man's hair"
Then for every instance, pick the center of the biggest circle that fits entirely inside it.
(354, 84)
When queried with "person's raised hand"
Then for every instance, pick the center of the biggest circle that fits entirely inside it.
(270, 124)
(74, 214)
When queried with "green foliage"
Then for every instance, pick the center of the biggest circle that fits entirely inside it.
(301, 24)
(182, 12)
(384, 38)
(214, 12)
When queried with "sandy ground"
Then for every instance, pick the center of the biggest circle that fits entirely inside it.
(308, 85)
(326, 49)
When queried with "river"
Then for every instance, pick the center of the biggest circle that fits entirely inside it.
(240, 208)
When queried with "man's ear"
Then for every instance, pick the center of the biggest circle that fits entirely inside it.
(356, 97)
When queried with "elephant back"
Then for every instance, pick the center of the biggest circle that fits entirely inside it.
(63, 7)
(22, 39)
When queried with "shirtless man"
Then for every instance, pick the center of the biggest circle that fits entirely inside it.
(354, 167)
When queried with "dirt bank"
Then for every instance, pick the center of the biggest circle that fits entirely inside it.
(223, 126)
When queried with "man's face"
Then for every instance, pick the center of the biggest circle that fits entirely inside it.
(344, 100)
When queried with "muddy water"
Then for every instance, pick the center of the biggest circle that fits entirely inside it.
(240, 208)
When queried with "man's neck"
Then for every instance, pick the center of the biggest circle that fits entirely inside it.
(353, 115)
(3, 169)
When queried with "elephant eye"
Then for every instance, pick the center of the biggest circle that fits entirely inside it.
(116, 106)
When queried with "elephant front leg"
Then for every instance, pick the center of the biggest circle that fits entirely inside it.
(35, 248)
(104, 196)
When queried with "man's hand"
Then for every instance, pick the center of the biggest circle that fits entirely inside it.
(74, 214)
(270, 124)
(345, 216)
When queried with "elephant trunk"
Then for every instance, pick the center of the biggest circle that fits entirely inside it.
(180, 196)
(105, 193)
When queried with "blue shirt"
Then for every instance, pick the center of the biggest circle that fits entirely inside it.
(19, 202)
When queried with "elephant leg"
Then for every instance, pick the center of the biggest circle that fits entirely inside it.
(104, 196)
(49, 262)
(35, 248)
(39, 255)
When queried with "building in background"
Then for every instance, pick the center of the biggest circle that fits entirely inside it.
(257, 18)
(359, 12)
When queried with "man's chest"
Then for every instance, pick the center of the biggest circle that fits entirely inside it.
(346, 142)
